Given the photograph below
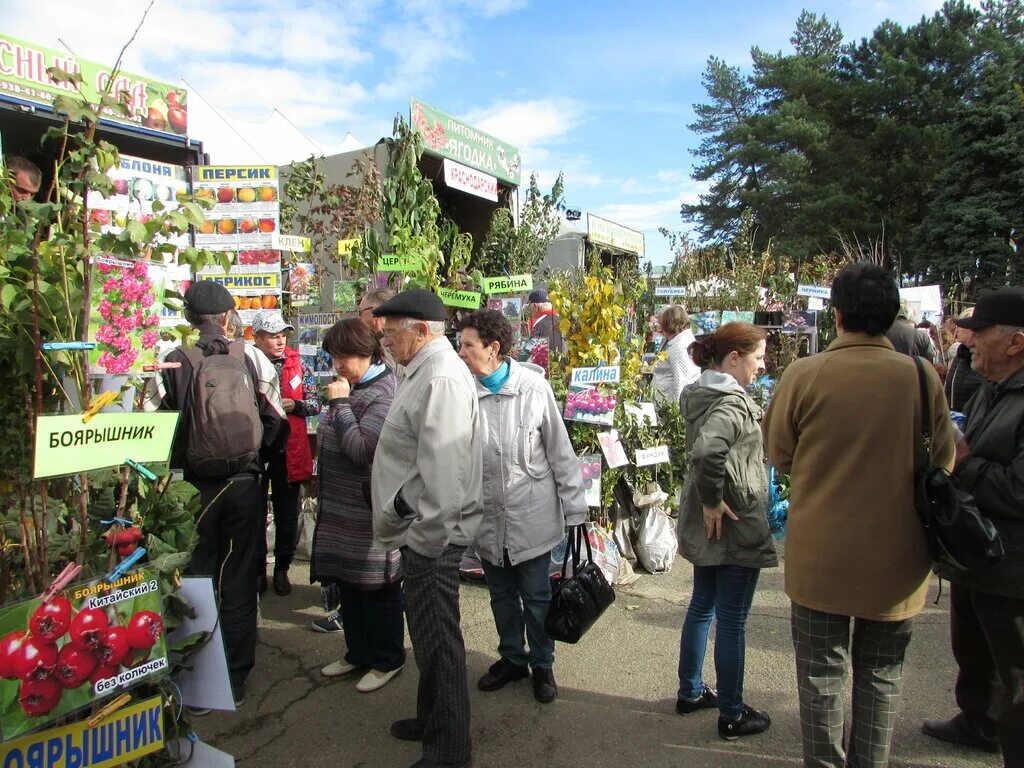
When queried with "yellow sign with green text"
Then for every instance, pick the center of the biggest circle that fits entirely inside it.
(461, 299)
(122, 738)
(66, 445)
(508, 284)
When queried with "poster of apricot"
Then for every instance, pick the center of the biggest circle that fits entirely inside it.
(87, 642)
(124, 321)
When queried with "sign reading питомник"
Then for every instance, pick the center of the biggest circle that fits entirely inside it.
(66, 445)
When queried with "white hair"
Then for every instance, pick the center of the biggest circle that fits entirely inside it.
(434, 327)
(1007, 330)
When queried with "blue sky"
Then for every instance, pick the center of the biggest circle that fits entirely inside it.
(600, 90)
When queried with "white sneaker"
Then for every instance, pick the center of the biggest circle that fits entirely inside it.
(338, 668)
(374, 680)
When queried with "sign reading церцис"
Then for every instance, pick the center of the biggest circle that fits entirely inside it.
(153, 105)
(449, 137)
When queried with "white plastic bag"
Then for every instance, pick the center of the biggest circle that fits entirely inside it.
(656, 543)
(307, 524)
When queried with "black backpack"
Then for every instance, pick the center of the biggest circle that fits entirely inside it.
(224, 427)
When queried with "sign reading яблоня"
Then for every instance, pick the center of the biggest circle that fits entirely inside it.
(65, 445)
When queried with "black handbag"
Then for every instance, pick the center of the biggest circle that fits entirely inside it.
(959, 537)
(579, 600)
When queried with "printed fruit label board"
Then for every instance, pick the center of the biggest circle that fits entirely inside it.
(89, 642)
(124, 318)
(246, 211)
(137, 184)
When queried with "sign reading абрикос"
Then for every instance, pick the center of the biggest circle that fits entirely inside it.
(67, 445)
(449, 137)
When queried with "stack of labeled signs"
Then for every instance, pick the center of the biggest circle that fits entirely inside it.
(242, 223)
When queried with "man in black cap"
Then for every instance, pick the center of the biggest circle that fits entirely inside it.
(987, 606)
(229, 547)
(425, 490)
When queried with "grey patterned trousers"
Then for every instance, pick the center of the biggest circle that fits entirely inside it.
(431, 591)
(823, 655)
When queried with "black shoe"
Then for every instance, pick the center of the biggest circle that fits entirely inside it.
(751, 721)
(708, 699)
(282, 587)
(958, 730)
(544, 688)
(261, 583)
(407, 730)
(501, 673)
(424, 762)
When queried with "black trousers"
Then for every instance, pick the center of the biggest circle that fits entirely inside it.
(432, 608)
(374, 626)
(285, 498)
(988, 644)
(228, 550)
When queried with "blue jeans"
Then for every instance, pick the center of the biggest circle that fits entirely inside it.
(729, 591)
(520, 596)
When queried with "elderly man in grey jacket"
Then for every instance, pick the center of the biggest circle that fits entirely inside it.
(425, 490)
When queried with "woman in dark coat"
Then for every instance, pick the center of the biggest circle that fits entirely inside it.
(961, 379)
(368, 579)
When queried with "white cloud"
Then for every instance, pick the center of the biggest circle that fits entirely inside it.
(528, 123)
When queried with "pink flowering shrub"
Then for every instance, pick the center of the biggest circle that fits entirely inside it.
(126, 308)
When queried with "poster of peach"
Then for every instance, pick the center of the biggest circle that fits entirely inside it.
(124, 321)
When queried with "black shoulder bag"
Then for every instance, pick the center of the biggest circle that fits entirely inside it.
(579, 600)
(958, 536)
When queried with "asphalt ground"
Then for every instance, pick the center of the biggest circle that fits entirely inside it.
(615, 707)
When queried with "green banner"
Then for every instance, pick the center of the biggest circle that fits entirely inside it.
(154, 105)
(462, 299)
(449, 137)
(66, 445)
(508, 284)
(389, 262)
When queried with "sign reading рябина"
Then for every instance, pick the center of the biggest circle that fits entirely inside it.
(65, 445)
(508, 284)
(449, 137)
(121, 738)
(389, 262)
(605, 374)
(461, 299)
(153, 105)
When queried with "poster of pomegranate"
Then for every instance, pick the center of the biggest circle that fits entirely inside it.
(86, 643)
(124, 321)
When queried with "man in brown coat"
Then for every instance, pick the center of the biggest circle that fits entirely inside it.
(846, 425)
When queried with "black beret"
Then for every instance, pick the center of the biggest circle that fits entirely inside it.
(205, 297)
(417, 303)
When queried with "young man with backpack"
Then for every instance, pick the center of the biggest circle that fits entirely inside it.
(231, 414)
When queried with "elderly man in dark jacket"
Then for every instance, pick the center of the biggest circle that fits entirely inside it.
(988, 605)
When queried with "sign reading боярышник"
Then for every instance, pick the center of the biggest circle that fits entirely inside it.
(446, 136)
(606, 232)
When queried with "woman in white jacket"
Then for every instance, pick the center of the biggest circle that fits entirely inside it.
(532, 489)
(677, 369)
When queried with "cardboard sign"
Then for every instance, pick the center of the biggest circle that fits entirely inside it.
(122, 738)
(641, 413)
(130, 646)
(612, 449)
(463, 299)
(590, 468)
(607, 374)
(389, 262)
(815, 305)
(508, 284)
(656, 455)
(65, 445)
(294, 243)
(206, 684)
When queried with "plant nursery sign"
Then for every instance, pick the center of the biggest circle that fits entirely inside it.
(608, 374)
(389, 262)
(508, 284)
(462, 299)
(293, 243)
(449, 137)
(122, 738)
(86, 643)
(153, 105)
(65, 445)
(814, 291)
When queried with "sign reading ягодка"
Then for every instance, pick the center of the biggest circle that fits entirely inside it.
(65, 445)
(508, 284)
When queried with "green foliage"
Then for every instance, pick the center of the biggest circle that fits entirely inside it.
(907, 140)
(520, 250)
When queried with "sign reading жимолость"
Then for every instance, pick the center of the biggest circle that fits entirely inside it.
(65, 445)
(615, 235)
(449, 137)
(153, 105)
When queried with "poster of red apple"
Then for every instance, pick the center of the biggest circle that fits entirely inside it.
(138, 183)
(87, 643)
